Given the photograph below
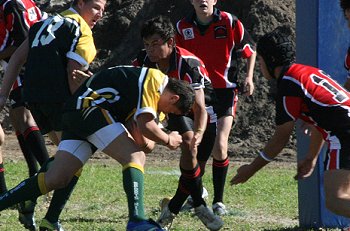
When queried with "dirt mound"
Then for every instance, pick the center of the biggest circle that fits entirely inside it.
(118, 41)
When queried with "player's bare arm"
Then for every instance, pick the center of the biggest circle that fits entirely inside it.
(16, 62)
(150, 129)
(307, 165)
(275, 145)
(75, 81)
(200, 118)
(249, 84)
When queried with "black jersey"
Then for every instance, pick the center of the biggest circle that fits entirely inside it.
(123, 90)
(52, 42)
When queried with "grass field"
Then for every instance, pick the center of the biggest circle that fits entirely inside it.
(266, 202)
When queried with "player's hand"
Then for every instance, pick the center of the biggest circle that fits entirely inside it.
(80, 76)
(305, 168)
(175, 139)
(244, 173)
(196, 140)
(248, 87)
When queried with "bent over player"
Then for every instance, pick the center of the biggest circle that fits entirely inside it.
(94, 119)
(309, 94)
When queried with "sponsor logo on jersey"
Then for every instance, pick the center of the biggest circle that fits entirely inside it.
(220, 32)
(188, 33)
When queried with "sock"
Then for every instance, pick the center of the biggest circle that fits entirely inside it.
(29, 189)
(28, 156)
(220, 168)
(133, 183)
(36, 144)
(59, 200)
(3, 187)
(180, 197)
(197, 187)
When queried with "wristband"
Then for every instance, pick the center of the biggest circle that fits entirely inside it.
(265, 157)
(145, 145)
(199, 130)
(167, 143)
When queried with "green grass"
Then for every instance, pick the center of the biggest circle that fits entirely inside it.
(267, 202)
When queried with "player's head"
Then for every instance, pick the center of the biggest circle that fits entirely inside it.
(345, 4)
(276, 48)
(158, 37)
(204, 7)
(181, 96)
(90, 10)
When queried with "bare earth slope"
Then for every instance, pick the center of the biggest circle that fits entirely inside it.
(118, 41)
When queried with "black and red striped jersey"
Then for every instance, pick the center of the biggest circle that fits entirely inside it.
(347, 62)
(219, 46)
(308, 93)
(17, 16)
(184, 65)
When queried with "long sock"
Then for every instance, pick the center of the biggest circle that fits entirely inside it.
(36, 144)
(197, 187)
(28, 156)
(133, 183)
(3, 187)
(219, 178)
(180, 197)
(59, 200)
(29, 189)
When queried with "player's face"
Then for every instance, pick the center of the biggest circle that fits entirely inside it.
(167, 101)
(157, 49)
(347, 16)
(91, 11)
(204, 6)
(263, 68)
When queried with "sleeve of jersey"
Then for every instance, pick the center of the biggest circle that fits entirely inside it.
(83, 49)
(15, 25)
(288, 108)
(3, 34)
(196, 73)
(151, 86)
(243, 41)
(347, 62)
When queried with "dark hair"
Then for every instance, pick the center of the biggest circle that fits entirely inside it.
(75, 2)
(344, 4)
(184, 91)
(160, 25)
(277, 48)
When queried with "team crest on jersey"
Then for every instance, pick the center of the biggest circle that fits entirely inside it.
(188, 33)
(220, 32)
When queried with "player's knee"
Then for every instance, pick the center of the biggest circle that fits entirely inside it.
(58, 182)
(2, 137)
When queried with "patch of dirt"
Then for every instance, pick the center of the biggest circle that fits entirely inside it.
(117, 38)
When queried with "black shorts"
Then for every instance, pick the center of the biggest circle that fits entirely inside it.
(227, 101)
(184, 124)
(338, 153)
(48, 116)
(16, 98)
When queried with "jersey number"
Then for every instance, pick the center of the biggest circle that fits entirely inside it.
(46, 33)
(338, 95)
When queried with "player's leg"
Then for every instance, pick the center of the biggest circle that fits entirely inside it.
(337, 191)
(3, 187)
(113, 140)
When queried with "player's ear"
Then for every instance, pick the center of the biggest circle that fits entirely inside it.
(171, 42)
(174, 98)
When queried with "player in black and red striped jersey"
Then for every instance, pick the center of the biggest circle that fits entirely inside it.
(220, 40)
(309, 94)
(198, 128)
(345, 5)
